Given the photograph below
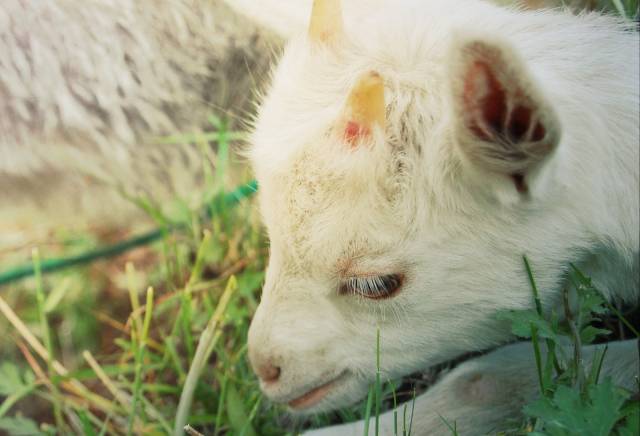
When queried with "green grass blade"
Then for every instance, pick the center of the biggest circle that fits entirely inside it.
(46, 333)
(205, 347)
(452, 428)
(367, 410)
(378, 383)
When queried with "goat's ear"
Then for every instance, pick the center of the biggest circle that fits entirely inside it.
(504, 124)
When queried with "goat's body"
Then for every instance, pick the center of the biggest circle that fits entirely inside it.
(88, 88)
(431, 197)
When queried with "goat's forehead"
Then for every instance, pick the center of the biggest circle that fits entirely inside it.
(318, 214)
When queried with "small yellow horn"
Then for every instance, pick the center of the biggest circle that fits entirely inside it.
(365, 107)
(326, 20)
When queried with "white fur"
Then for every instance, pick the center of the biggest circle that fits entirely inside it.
(87, 89)
(412, 202)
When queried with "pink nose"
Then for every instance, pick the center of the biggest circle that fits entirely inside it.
(263, 365)
(267, 372)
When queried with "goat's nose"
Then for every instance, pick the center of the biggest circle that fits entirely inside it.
(268, 372)
(264, 366)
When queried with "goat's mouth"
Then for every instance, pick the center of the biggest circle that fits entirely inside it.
(315, 395)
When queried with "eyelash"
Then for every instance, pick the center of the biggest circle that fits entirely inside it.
(373, 287)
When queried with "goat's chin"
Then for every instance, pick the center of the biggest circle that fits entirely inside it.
(346, 392)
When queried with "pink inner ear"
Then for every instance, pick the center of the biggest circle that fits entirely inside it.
(489, 115)
(354, 131)
(485, 100)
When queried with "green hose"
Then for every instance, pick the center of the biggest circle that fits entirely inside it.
(51, 265)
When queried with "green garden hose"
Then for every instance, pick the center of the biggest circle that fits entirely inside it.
(51, 265)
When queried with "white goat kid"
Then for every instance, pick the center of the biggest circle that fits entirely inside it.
(407, 160)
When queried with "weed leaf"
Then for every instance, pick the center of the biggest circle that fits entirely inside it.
(568, 414)
(632, 424)
(10, 379)
(523, 321)
(589, 333)
(19, 426)
(237, 413)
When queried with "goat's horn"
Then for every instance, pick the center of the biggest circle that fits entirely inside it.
(326, 20)
(365, 108)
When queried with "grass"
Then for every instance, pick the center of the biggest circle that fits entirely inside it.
(156, 337)
(573, 398)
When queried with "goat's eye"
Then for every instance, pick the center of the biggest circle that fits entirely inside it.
(373, 287)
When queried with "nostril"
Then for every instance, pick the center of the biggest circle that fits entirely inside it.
(268, 373)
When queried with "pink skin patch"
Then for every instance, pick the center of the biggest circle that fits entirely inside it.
(354, 131)
(312, 397)
(315, 395)
(486, 98)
